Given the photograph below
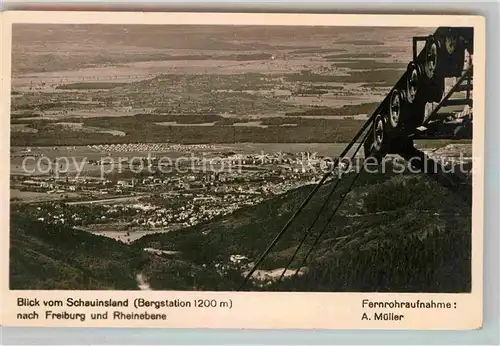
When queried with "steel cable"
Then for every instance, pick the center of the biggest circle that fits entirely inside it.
(328, 222)
(304, 203)
(327, 201)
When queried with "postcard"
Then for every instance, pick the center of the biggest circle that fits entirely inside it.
(242, 170)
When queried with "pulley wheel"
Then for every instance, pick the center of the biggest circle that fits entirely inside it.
(431, 56)
(375, 144)
(378, 133)
(395, 108)
(450, 43)
(452, 56)
(413, 76)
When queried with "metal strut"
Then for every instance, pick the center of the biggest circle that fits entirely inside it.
(444, 102)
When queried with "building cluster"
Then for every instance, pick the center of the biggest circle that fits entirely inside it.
(148, 147)
(147, 212)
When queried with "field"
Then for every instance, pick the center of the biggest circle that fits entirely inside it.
(140, 83)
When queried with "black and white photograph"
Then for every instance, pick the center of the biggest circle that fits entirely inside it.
(265, 158)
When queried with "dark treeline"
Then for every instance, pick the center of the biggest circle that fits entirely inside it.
(47, 256)
(439, 263)
(140, 131)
